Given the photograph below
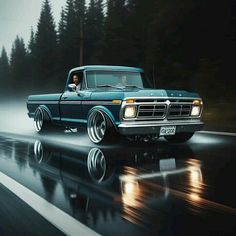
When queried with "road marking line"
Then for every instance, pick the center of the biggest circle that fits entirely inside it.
(219, 133)
(51, 213)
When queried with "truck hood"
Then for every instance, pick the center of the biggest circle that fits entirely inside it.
(110, 94)
(160, 93)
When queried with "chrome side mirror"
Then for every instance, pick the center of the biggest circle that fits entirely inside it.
(72, 87)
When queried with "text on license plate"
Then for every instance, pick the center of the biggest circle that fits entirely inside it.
(167, 130)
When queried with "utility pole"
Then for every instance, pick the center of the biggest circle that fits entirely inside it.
(81, 56)
(153, 76)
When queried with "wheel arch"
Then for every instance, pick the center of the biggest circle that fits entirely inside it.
(106, 112)
(46, 111)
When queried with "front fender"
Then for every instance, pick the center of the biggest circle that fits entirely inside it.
(107, 112)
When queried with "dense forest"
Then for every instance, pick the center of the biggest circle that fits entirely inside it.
(187, 44)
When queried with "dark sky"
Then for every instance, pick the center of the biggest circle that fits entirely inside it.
(17, 17)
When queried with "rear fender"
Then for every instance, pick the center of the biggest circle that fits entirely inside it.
(46, 111)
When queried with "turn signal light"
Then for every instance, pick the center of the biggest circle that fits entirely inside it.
(197, 102)
(130, 101)
(116, 101)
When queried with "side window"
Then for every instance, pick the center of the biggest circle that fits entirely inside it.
(77, 79)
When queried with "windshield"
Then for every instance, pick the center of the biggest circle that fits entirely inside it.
(117, 79)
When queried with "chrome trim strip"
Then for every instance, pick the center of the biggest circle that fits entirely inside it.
(70, 102)
(79, 102)
(43, 102)
(100, 103)
(163, 123)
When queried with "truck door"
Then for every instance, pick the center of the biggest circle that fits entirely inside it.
(71, 102)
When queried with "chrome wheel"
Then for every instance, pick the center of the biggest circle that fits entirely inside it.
(38, 151)
(96, 164)
(97, 126)
(38, 120)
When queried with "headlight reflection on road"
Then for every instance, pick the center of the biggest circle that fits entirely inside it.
(129, 187)
(206, 139)
(196, 185)
(132, 196)
(130, 191)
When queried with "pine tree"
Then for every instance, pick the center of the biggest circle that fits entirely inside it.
(80, 12)
(94, 32)
(18, 65)
(67, 37)
(46, 47)
(31, 45)
(31, 62)
(62, 28)
(164, 54)
(115, 43)
(4, 71)
(62, 60)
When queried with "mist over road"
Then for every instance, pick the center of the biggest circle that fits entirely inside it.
(14, 118)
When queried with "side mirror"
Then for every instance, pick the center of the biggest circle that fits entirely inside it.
(72, 87)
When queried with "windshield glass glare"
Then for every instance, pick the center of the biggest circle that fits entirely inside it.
(119, 79)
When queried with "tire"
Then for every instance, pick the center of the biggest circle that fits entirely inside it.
(42, 122)
(179, 137)
(99, 128)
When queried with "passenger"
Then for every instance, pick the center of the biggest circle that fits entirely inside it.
(77, 81)
(123, 81)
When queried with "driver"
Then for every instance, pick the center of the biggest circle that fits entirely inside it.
(77, 81)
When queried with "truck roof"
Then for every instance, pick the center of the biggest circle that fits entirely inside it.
(105, 67)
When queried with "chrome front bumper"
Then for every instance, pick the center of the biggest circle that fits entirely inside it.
(147, 127)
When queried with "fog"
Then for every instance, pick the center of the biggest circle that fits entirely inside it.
(15, 121)
(14, 118)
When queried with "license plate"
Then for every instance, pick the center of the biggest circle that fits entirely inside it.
(167, 130)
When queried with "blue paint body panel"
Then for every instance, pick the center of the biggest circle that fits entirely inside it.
(72, 108)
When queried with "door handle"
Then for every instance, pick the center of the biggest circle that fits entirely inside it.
(64, 97)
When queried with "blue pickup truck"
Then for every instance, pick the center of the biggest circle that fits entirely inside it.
(117, 100)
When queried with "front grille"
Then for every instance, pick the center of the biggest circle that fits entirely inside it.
(151, 111)
(160, 109)
(179, 110)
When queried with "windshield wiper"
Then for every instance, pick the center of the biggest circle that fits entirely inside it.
(107, 86)
(132, 86)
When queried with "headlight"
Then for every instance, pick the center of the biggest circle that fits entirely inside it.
(130, 112)
(196, 111)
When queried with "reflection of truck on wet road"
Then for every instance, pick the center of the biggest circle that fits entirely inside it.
(118, 100)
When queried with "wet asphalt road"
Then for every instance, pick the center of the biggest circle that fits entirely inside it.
(130, 189)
